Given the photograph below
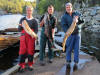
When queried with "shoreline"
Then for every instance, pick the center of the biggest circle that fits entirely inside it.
(90, 68)
(87, 63)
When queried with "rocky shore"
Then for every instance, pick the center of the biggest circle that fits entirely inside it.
(91, 68)
(92, 19)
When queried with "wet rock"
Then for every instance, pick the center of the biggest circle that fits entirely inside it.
(98, 11)
(92, 19)
(93, 12)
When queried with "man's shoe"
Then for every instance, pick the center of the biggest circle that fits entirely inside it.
(68, 66)
(30, 68)
(67, 72)
(50, 60)
(42, 63)
(21, 70)
(75, 67)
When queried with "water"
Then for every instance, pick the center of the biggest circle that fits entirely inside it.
(65, 71)
(9, 57)
(9, 21)
(91, 44)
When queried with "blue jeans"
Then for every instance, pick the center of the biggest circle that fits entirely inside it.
(73, 43)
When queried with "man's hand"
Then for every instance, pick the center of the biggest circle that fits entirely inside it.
(20, 24)
(67, 33)
(41, 23)
(53, 33)
(75, 20)
(34, 36)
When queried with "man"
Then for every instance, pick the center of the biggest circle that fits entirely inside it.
(73, 41)
(48, 23)
(27, 42)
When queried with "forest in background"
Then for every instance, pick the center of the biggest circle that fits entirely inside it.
(18, 6)
(59, 5)
(15, 6)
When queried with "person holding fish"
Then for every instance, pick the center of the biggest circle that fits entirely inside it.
(69, 23)
(28, 27)
(48, 23)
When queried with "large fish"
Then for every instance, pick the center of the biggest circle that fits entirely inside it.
(28, 29)
(48, 27)
(68, 33)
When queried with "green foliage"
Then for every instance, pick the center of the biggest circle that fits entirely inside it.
(42, 6)
(15, 6)
(59, 5)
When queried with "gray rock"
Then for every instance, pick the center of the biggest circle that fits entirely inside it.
(93, 12)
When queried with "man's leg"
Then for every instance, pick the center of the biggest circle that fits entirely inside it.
(76, 48)
(76, 51)
(31, 50)
(30, 62)
(43, 40)
(22, 53)
(22, 58)
(69, 47)
(50, 52)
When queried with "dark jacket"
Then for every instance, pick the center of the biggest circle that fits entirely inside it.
(53, 21)
(67, 20)
(32, 24)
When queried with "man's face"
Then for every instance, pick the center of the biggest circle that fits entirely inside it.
(29, 11)
(50, 10)
(69, 8)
